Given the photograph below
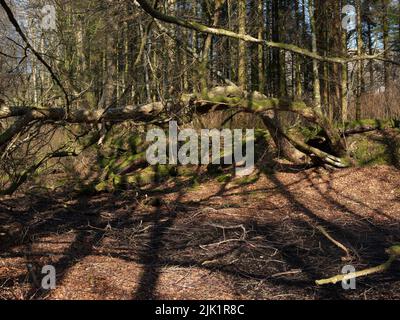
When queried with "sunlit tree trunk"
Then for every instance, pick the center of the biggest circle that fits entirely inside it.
(316, 81)
(242, 69)
(360, 63)
(298, 90)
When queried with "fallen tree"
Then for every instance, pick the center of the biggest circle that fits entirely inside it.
(220, 98)
(183, 107)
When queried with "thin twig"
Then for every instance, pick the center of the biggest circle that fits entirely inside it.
(335, 242)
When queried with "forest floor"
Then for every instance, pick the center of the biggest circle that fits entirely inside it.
(235, 239)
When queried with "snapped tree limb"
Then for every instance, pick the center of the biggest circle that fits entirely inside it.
(394, 253)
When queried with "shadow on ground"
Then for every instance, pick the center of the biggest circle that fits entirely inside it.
(231, 240)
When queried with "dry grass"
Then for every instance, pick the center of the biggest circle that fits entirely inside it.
(379, 103)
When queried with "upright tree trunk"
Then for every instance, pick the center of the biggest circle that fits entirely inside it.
(261, 58)
(336, 48)
(194, 40)
(344, 79)
(282, 53)
(109, 65)
(370, 52)
(276, 56)
(360, 63)
(316, 81)
(298, 88)
(242, 70)
(207, 46)
(385, 24)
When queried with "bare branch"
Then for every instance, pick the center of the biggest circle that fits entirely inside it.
(17, 27)
(193, 25)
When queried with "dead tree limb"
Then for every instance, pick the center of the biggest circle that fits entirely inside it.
(334, 241)
(219, 98)
(394, 253)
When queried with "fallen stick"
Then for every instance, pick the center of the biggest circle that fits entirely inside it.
(335, 242)
(394, 253)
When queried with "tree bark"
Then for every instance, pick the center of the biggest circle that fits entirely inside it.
(360, 63)
(316, 81)
(242, 68)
